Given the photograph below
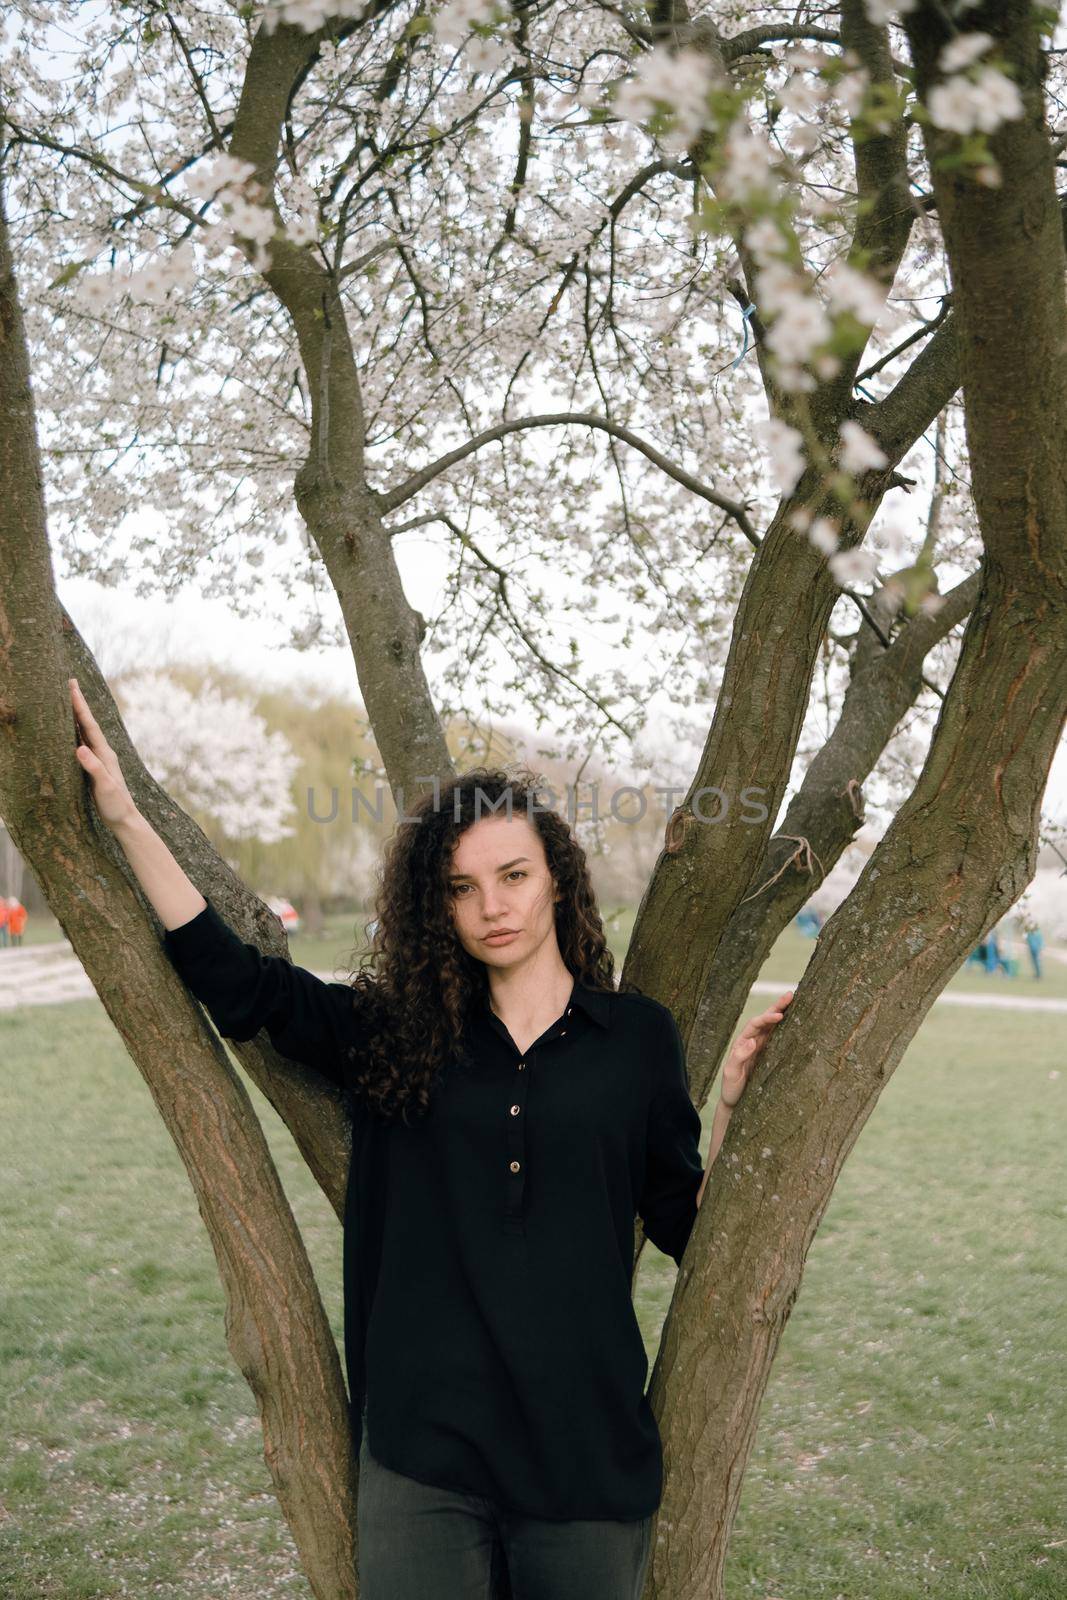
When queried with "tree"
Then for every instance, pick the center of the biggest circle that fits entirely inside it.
(214, 754)
(397, 281)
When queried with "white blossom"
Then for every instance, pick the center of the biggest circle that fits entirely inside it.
(303, 229)
(222, 172)
(785, 452)
(893, 532)
(213, 754)
(851, 89)
(799, 329)
(748, 169)
(485, 55)
(793, 378)
(859, 452)
(823, 534)
(679, 82)
(853, 566)
(1002, 102)
(802, 96)
(881, 12)
(764, 239)
(979, 105)
(250, 221)
(858, 292)
(800, 57)
(96, 290)
(152, 282)
(805, 137)
(310, 14)
(454, 21)
(963, 51)
(777, 286)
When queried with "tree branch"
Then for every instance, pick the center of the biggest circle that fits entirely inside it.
(389, 499)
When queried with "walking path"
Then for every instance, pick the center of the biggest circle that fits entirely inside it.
(954, 997)
(45, 974)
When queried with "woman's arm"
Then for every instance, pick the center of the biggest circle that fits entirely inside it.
(737, 1069)
(174, 897)
(306, 1018)
(719, 1124)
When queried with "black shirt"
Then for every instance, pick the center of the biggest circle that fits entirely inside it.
(488, 1245)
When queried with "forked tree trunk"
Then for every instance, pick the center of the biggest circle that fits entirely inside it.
(280, 1338)
(960, 852)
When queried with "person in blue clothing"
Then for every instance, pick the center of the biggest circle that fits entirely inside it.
(513, 1111)
(992, 951)
(1035, 940)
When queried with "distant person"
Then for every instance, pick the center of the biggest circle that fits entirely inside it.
(992, 950)
(16, 919)
(1035, 940)
(1006, 960)
(3, 921)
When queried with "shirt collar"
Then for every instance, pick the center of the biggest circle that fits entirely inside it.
(596, 1003)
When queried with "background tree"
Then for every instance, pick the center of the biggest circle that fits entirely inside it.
(215, 755)
(398, 290)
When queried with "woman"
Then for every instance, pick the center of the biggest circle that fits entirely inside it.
(511, 1112)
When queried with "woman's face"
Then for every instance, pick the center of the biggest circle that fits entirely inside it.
(499, 880)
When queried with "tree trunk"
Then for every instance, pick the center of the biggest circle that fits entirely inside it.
(339, 507)
(281, 1342)
(959, 853)
(819, 824)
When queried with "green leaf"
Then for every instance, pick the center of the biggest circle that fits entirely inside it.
(69, 272)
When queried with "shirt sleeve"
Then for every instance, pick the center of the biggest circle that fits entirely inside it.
(243, 990)
(673, 1168)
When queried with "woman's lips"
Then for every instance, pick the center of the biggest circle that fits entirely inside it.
(501, 938)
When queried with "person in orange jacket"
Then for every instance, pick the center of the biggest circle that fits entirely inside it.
(3, 921)
(16, 919)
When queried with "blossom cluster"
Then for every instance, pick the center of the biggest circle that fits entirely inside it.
(454, 22)
(674, 83)
(310, 15)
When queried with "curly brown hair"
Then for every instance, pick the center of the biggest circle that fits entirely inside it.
(416, 986)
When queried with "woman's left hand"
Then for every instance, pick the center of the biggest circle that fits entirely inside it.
(748, 1047)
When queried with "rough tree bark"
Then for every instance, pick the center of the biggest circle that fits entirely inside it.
(958, 854)
(282, 1342)
(341, 510)
(819, 824)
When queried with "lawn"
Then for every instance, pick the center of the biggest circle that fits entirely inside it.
(913, 1437)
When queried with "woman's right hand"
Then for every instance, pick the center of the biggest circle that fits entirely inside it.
(111, 797)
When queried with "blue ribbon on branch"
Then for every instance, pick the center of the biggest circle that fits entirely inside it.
(746, 316)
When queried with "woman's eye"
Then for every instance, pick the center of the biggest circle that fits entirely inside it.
(516, 872)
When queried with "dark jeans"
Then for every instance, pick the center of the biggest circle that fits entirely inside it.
(421, 1543)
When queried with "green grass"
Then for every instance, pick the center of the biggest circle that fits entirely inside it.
(912, 1438)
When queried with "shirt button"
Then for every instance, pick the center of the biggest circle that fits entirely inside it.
(521, 1065)
(514, 1111)
(514, 1166)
